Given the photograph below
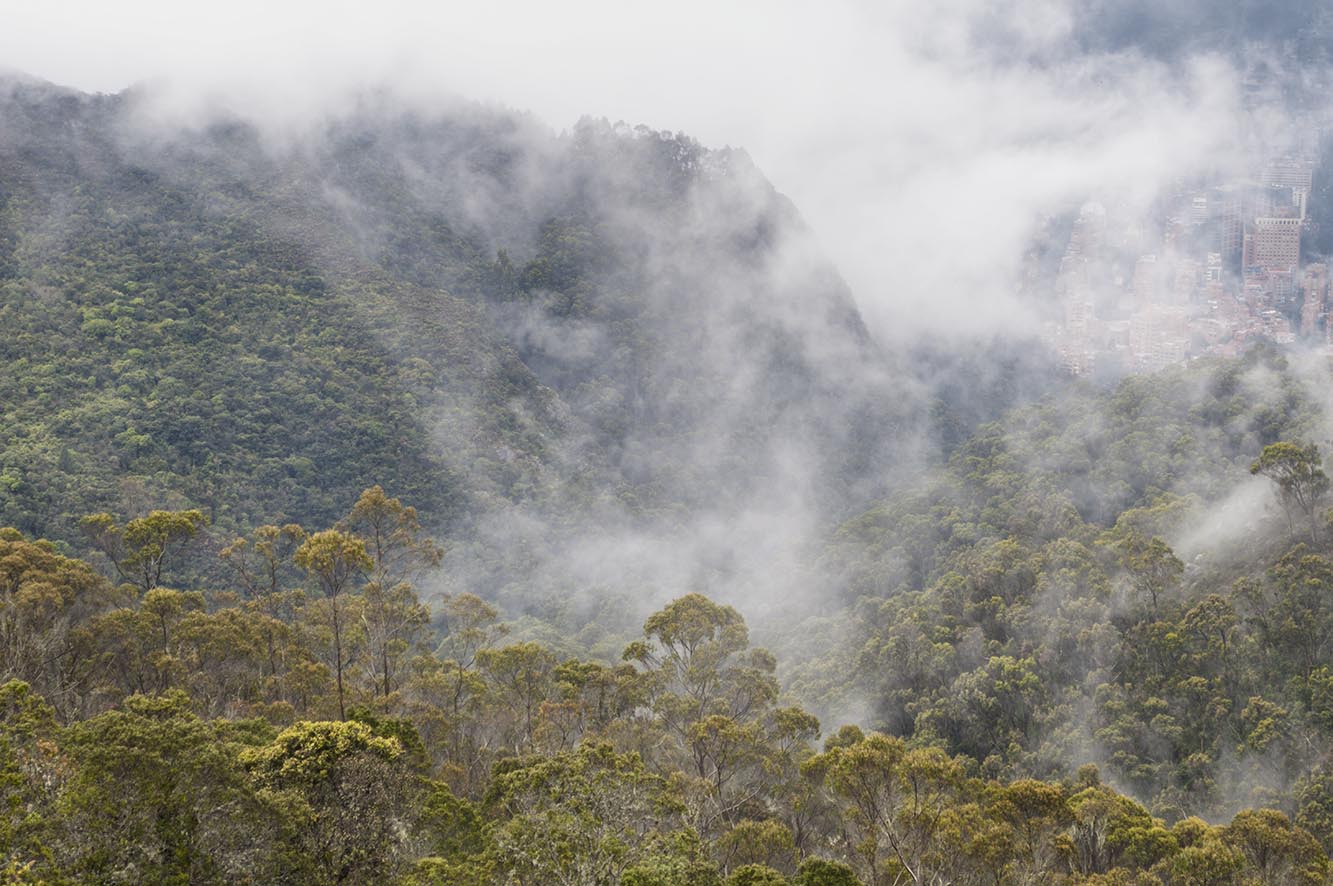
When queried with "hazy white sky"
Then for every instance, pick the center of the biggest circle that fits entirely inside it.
(920, 160)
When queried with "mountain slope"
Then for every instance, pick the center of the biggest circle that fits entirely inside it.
(506, 326)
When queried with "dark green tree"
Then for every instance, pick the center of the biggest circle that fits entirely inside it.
(1298, 473)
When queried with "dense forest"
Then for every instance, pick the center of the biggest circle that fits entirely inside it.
(430, 498)
(313, 722)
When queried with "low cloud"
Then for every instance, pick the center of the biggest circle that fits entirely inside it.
(924, 145)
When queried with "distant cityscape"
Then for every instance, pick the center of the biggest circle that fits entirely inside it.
(1222, 266)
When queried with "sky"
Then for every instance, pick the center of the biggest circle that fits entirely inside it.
(920, 141)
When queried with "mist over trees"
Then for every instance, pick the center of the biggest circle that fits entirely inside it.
(298, 724)
(419, 495)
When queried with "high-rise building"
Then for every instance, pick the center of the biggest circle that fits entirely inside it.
(1089, 233)
(1144, 283)
(1227, 211)
(1273, 244)
(1314, 285)
(1198, 207)
(1295, 173)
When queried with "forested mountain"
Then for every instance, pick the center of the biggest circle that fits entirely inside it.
(607, 326)
(541, 340)
(384, 497)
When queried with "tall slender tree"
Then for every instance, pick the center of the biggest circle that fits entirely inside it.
(336, 561)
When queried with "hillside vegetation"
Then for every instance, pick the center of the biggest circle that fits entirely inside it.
(384, 501)
(306, 726)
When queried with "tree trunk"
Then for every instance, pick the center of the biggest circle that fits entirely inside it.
(338, 656)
